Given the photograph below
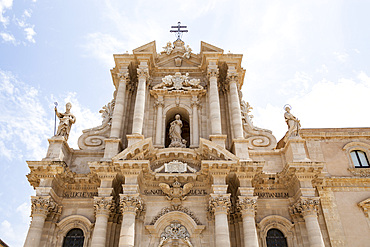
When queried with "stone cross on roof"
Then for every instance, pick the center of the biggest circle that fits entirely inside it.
(179, 31)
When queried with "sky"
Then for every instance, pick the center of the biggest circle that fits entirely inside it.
(313, 55)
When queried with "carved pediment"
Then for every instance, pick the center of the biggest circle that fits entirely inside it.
(205, 47)
(145, 49)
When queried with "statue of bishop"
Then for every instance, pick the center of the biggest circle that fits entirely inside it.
(65, 121)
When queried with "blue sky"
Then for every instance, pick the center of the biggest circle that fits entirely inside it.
(314, 55)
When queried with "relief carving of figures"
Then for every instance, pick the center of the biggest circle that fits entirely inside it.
(65, 121)
(175, 133)
(178, 82)
(258, 138)
(176, 193)
(93, 138)
(293, 123)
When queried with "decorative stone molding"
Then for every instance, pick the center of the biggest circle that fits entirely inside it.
(247, 205)
(178, 82)
(365, 206)
(219, 203)
(130, 203)
(360, 172)
(306, 206)
(143, 72)
(174, 208)
(103, 205)
(175, 231)
(159, 103)
(43, 205)
(277, 222)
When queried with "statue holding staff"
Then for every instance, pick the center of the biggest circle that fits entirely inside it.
(65, 121)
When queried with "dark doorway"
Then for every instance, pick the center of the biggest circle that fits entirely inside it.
(275, 238)
(185, 131)
(74, 238)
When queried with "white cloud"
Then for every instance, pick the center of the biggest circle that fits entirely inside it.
(341, 56)
(7, 37)
(4, 5)
(30, 33)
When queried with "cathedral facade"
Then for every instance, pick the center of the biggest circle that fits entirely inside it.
(177, 161)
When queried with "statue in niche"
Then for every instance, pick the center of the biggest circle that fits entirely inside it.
(293, 123)
(175, 133)
(65, 121)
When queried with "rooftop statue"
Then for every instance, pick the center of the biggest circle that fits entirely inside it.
(168, 48)
(175, 133)
(293, 123)
(66, 120)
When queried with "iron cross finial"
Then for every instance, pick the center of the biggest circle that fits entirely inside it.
(179, 31)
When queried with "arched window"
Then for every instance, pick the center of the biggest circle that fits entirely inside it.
(275, 238)
(359, 159)
(74, 238)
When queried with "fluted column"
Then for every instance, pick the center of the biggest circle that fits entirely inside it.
(103, 206)
(142, 74)
(41, 206)
(129, 205)
(158, 136)
(232, 78)
(123, 76)
(308, 207)
(248, 210)
(219, 206)
(195, 104)
(214, 100)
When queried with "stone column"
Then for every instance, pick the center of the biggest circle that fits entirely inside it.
(123, 76)
(129, 205)
(138, 120)
(232, 78)
(103, 206)
(195, 104)
(158, 135)
(41, 206)
(214, 100)
(220, 204)
(248, 210)
(308, 207)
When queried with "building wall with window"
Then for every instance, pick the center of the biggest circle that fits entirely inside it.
(177, 161)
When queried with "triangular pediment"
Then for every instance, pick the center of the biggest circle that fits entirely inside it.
(205, 47)
(145, 49)
(165, 60)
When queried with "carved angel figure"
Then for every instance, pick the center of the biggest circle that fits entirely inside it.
(187, 52)
(168, 48)
(66, 120)
(176, 194)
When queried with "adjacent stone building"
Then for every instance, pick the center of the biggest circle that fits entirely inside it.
(177, 161)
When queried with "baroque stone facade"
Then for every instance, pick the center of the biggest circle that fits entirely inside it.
(177, 161)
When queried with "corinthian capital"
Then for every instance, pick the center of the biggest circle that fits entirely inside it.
(103, 205)
(123, 75)
(130, 203)
(219, 203)
(212, 71)
(42, 205)
(247, 205)
(143, 71)
(306, 206)
(232, 76)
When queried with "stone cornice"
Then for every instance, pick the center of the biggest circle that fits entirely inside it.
(328, 133)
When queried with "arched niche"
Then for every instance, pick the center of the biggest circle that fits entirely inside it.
(170, 114)
(276, 222)
(182, 218)
(71, 222)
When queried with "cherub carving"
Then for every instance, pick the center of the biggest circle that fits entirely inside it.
(168, 48)
(176, 194)
(187, 52)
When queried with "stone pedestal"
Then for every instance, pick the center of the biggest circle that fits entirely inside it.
(58, 149)
(240, 149)
(296, 150)
(132, 139)
(219, 140)
(102, 210)
(112, 148)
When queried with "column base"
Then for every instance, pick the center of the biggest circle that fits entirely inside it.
(112, 148)
(219, 140)
(240, 149)
(132, 139)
